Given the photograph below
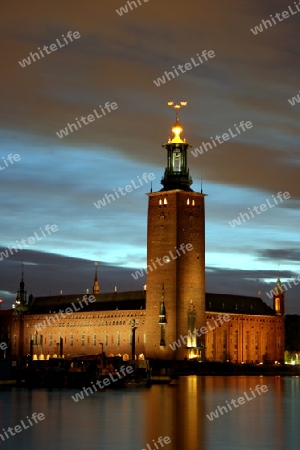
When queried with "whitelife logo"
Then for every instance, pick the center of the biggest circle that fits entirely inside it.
(284, 287)
(203, 330)
(53, 48)
(166, 259)
(225, 136)
(106, 382)
(31, 240)
(294, 100)
(65, 313)
(124, 9)
(3, 346)
(267, 23)
(18, 428)
(241, 401)
(11, 158)
(263, 207)
(90, 118)
(187, 66)
(166, 440)
(128, 188)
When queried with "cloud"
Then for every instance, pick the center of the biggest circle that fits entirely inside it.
(57, 181)
(281, 254)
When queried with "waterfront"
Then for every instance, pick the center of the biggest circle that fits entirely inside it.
(129, 419)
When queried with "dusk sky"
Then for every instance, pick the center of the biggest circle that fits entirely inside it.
(116, 58)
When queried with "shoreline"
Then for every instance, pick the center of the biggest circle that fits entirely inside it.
(185, 368)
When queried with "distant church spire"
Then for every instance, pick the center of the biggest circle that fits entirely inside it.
(176, 174)
(96, 284)
(21, 293)
(22, 284)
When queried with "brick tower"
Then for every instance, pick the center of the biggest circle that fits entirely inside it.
(175, 259)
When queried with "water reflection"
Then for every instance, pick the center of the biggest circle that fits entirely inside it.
(132, 418)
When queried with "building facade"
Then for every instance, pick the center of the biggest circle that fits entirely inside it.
(237, 328)
(173, 317)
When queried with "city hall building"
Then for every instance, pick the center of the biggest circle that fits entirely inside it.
(173, 317)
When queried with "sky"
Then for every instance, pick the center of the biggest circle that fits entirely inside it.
(116, 58)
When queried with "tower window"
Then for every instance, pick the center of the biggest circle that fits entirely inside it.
(160, 202)
(165, 201)
(193, 203)
(188, 201)
(162, 336)
(176, 161)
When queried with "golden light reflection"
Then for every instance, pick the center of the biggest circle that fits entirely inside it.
(177, 130)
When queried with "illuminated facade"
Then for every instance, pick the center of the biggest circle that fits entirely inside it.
(172, 309)
(252, 333)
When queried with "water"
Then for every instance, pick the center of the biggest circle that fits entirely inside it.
(129, 419)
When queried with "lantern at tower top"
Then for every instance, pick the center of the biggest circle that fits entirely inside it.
(177, 128)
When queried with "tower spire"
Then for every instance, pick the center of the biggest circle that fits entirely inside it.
(21, 293)
(96, 288)
(22, 284)
(176, 173)
(177, 129)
